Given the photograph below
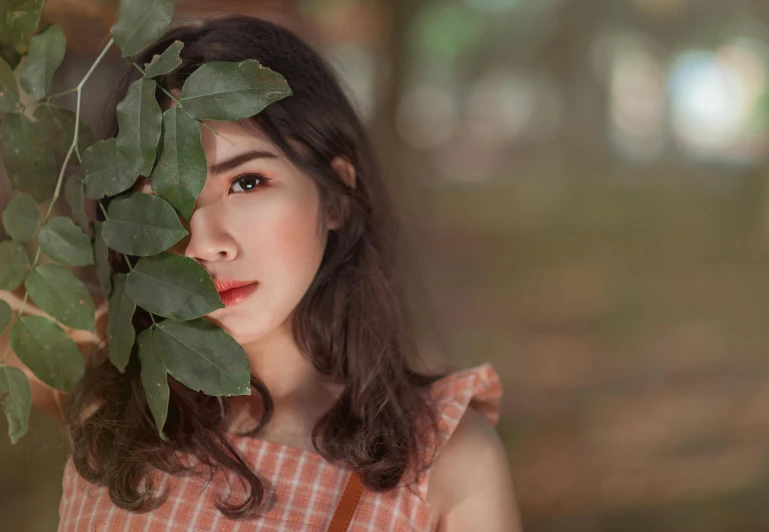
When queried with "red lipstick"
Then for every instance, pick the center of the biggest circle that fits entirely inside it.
(233, 292)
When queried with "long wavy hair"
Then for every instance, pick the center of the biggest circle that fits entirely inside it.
(352, 323)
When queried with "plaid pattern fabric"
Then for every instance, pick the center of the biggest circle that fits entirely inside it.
(301, 488)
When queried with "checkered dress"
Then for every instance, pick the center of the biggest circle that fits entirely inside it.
(301, 488)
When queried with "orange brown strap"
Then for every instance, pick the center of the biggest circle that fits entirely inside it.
(345, 509)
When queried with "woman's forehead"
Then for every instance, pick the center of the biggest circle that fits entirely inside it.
(235, 132)
(232, 139)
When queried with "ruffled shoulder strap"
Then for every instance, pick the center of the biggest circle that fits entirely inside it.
(477, 387)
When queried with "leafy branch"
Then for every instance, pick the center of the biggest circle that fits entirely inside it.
(161, 145)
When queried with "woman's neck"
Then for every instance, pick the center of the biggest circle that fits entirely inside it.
(300, 393)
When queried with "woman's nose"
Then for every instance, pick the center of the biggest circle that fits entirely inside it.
(208, 240)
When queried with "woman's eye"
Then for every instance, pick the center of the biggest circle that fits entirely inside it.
(247, 182)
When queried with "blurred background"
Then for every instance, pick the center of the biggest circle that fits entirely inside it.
(584, 184)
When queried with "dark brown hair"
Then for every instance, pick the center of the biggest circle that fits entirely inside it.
(352, 323)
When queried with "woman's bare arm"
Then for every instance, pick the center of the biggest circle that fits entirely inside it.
(44, 397)
(470, 482)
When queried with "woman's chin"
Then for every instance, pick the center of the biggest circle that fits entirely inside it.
(237, 332)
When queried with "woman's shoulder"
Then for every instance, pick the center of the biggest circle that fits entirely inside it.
(469, 480)
(460, 397)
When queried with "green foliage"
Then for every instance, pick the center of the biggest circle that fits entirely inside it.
(154, 379)
(101, 257)
(65, 242)
(106, 170)
(16, 400)
(6, 313)
(20, 22)
(181, 170)
(9, 93)
(21, 218)
(56, 290)
(74, 194)
(120, 331)
(13, 264)
(141, 224)
(164, 146)
(44, 347)
(28, 161)
(164, 63)
(232, 91)
(56, 127)
(46, 52)
(173, 286)
(139, 117)
(203, 357)
(140, 23)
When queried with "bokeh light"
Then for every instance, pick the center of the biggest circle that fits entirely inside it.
(637, 101)
(507, 106)
(630, 66)
(715, 97)
(444, 33)
(426, 116)
(494, 6)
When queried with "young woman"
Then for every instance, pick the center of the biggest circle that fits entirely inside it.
(341, 431)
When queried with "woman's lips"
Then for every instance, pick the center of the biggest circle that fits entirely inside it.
(228, 284)
(233, 296)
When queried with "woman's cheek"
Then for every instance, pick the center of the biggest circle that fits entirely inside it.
(294, 244)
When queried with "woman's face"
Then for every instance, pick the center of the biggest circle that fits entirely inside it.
(257, 219)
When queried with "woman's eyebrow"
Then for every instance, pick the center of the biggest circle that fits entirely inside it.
(234, 162)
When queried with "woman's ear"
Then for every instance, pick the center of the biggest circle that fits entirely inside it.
(346, 171)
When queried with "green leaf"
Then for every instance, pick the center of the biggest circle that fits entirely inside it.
(44, 347)
(9, 92)
(56, 127)
(101, 256)
(107, 173)
(221, 90)
(141, 224)
(180, 173)
(57, 291)
(21, 217)
(173, 286)
(140, 23)
(6, 312)
(203, 357)
(21, 20)
(65, 242)
(154, 379)
(139, 118)
(120, 330)
(74, 193)
(7, 53)
(46, 52)
(13, 264)
(29, 162)
(164, 63)
(15, 400)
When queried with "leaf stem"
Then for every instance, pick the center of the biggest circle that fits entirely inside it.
(8, 345)
(178, 102)
(47, 99)
(141, 70)
(72, 148)
(103, 210)
(58, 94)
